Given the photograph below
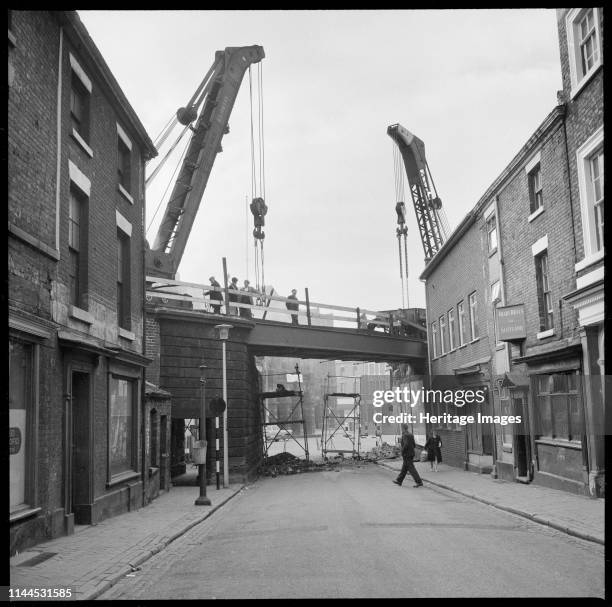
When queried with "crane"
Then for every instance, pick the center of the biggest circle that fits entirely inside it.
(432, 222)
(216, 94)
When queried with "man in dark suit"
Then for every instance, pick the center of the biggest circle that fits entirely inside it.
(293, 306)
(214, 296)
(407, 445)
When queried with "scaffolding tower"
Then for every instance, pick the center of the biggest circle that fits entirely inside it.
(342, 428)
(294, 417)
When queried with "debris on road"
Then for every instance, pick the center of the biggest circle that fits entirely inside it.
(287, 463)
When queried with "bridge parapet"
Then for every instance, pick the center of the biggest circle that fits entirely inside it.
(271, 306)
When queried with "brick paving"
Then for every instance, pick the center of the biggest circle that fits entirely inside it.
(95, 557)
(576, 515)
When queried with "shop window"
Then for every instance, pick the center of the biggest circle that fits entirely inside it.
(473, 304)
(559, 406)
(506, 409)
(22, 425)
(122, 442)
(545, 303)
(583, 45)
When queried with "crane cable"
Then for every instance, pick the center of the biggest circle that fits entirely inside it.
(257, 170)
(401, 232)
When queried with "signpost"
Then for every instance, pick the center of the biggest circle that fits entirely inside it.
(511, 324)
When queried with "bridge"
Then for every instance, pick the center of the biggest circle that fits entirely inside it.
(181, 334)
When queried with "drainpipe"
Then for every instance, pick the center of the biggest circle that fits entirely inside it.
(144, 339)
(59, 141)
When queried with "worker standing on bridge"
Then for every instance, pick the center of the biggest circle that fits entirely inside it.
(246, 299)
(214, 295)
(233, 296)
(293, 306)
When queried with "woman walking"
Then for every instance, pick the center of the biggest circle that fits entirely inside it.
(433, 446)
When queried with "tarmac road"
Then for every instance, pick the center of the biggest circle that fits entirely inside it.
(352, 533)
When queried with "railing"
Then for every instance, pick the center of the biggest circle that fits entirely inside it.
(360, 318)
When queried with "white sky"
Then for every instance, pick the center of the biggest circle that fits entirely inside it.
(472, 84)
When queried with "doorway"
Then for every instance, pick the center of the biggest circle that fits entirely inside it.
(522, 439)
(81, 484)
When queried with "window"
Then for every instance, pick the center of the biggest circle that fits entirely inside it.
(451, 329)
(597, 196)
(544, 295)
(495, 292)
(583, 45)
(123, 280)
(473, 304)
(79, 107)
(22, 425)
(435, 339)
(122, 424)
(491, 234)
(443, 335)
(124, 165)
(590, 159)
(462, 324)
(535, 189)
(77, 247)
(559, 406)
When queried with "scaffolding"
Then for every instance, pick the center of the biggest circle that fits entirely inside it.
(341, 429)
(284, 421)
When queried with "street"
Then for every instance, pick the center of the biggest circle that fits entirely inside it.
(353, 533)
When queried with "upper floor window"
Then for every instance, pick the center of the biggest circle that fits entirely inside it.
(473, 304)
(462, 324)
(435, 340)
(124, 162)
(491, 234)
(123, 280)
(77, 246)
(451, 329)
(583, 44)
(536, 200)
(590, 160)
(80, 94)
(545, 304)
(443, 335)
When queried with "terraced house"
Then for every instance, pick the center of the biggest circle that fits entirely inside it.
(515, 295)
(76, 155)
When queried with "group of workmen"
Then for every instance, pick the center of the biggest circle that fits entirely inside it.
(244, 295)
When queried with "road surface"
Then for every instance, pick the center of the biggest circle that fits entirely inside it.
(353, 533)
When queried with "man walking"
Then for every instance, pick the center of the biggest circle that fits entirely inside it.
(214, 296)
(408, 455)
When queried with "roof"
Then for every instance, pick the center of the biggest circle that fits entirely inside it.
(556, 114)
(78, 32)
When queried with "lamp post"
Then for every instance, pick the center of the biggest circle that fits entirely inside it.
(223, 333)
(202, 500)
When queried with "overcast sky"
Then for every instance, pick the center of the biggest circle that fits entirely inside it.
(472, 84)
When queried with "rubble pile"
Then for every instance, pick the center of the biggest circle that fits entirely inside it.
(385, 451)
(287, 463)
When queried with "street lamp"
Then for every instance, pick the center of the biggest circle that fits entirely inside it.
(223, 334)
(200, 458)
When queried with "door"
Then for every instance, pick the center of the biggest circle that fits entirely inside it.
(522, 439)
(81, 494)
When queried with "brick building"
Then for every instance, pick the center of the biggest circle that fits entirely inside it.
(533, 246)
(76, 154)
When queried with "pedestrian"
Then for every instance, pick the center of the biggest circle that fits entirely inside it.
(378, 436)
(408, 455)
(245, 298)
(233, 296)
(214, 295)
(293, 306)
(433, 446)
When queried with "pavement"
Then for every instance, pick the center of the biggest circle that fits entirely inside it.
(576, 515)
(96, 557)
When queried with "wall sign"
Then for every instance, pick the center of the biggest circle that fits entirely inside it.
(511, 324)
